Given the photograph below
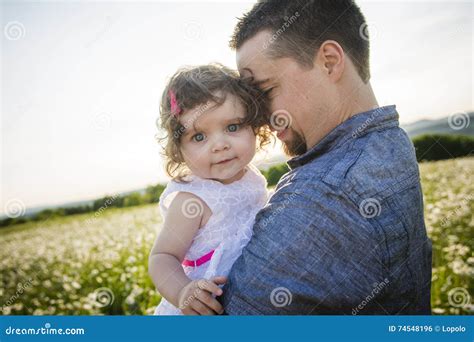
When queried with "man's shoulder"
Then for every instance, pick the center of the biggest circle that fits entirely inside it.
(376, 163)
(386, 164)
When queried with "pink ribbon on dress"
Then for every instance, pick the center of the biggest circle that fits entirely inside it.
(200, 261)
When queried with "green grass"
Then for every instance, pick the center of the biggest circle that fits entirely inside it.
(84, 264)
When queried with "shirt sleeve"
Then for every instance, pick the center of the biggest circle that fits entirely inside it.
(311, 253)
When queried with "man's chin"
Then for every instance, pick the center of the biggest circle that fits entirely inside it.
(296, 146)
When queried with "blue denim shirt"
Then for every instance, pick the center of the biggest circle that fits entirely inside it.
(344, 231)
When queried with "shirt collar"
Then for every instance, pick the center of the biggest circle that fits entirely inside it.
(354, 127)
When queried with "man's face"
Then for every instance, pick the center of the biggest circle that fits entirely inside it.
(291, 91)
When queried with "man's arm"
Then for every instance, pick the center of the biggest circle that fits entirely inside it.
(311, 253)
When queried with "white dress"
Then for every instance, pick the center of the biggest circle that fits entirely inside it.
(229, 228)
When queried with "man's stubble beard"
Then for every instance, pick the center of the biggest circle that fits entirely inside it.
(296, 146)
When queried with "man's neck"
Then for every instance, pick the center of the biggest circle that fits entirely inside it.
(352, 103)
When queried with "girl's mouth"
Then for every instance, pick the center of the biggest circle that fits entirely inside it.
(225, 161)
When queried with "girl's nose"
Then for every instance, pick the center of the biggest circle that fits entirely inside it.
(220, 145)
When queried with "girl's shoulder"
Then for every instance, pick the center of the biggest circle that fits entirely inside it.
(215, 194)
(188, 206)
(200, 194)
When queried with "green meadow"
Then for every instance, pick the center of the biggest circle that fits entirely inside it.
(89, 264)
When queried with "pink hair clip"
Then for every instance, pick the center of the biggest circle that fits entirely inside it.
(175, 110)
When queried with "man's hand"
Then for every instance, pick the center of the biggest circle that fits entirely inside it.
(198, 297)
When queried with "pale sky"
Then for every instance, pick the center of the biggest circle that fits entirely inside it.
(81, 82)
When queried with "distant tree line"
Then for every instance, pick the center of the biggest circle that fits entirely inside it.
(427, 147)
(430, 147)
(151, 195)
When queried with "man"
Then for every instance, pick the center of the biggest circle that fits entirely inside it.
(344, 231)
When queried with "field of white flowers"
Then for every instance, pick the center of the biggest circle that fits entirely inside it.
(97, 264)
(79, 265)
(448, 188)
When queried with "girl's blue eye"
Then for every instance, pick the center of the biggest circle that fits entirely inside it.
(198, 137)
(233, 127)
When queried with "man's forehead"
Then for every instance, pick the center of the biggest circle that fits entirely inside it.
(251, 58)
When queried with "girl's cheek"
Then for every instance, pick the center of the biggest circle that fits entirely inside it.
(194, 148)
(186, 151)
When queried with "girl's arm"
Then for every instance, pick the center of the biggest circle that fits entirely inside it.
(164, 264)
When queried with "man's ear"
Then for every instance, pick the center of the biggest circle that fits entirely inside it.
(331, 59)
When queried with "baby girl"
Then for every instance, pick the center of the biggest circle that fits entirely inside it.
(213, 122)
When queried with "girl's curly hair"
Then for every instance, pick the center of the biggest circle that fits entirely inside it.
(193, 87)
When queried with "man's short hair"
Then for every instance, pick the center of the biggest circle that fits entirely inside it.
(299, 27)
